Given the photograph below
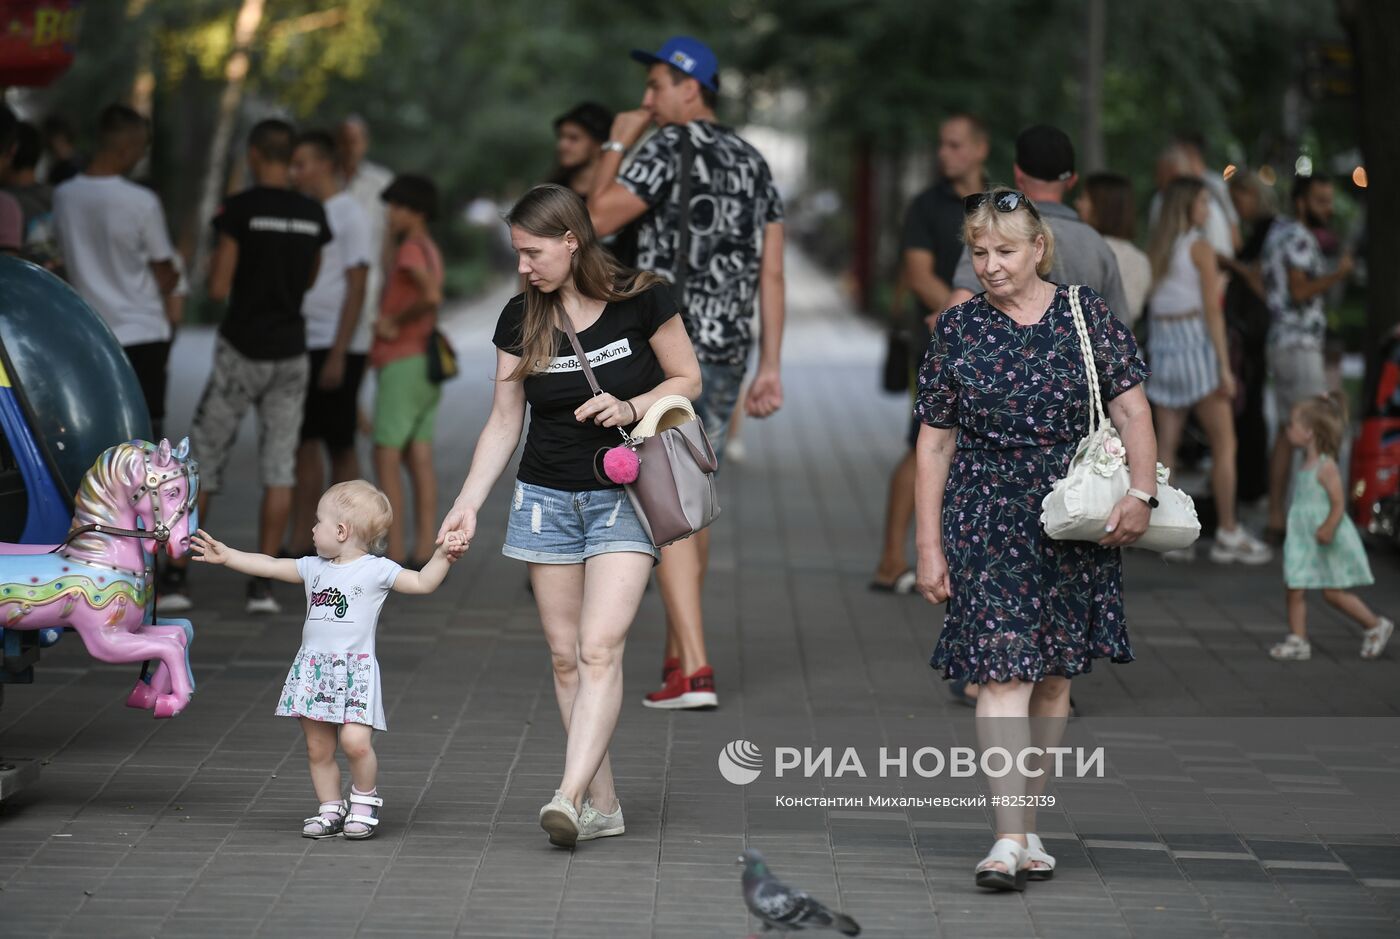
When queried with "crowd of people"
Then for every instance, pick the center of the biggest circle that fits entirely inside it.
(1027, 309)
(656, 262)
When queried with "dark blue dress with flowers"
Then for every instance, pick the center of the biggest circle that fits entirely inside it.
(1023, 605)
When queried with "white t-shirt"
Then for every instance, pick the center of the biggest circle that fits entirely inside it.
(343, 601)
(369, 181)
(111, 230)
(347, 249)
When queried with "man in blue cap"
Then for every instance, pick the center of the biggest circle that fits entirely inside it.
(711, 221)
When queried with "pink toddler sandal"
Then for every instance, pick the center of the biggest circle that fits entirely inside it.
(328, 823)
(359, 827)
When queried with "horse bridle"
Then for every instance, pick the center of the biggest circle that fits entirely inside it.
(150, 487)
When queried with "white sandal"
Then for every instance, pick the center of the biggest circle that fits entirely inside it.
(318, 826)
(1036, 851)
(1011, 853)
(369, 821)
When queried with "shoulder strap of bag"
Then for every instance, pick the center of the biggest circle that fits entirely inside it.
(1097, 417)
(682, 271)
(578, 351)
(587, 369)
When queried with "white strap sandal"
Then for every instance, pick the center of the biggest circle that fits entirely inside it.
(1038, 855)
(1010, 853)
(366, 821)
(318, 826)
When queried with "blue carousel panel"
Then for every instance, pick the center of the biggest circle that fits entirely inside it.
(81, 391)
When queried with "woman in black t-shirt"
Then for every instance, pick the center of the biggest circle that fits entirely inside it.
(588, 556)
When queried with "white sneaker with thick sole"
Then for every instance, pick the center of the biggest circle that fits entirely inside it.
(1374, 640)
(1239, 546)
(559, 818)
(594, 824)
(1292, 649)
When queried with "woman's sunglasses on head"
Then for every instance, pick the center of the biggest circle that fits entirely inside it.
(1004, 200)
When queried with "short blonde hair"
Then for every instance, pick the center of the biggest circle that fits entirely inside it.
(366, 510)
(1023, 224)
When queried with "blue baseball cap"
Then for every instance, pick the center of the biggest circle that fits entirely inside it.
(688, 54)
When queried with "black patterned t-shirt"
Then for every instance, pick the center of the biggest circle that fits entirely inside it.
(732, 197)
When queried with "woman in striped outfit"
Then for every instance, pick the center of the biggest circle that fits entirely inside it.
(1190, 361)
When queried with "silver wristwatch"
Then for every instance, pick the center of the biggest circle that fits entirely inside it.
(615, 145)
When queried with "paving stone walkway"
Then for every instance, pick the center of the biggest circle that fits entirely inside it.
(1243, 797)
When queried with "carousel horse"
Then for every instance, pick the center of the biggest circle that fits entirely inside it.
(137, 498)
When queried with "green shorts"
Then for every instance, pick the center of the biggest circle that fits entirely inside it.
(405, 403)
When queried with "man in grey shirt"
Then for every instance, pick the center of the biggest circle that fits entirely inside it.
(1044, 171)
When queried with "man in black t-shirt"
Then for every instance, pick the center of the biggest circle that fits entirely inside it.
(930, 248)
(734, 259)
(269, 251)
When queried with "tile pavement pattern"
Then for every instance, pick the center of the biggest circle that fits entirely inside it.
(189, 827)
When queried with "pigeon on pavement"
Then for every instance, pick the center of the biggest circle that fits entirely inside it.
(779, 906)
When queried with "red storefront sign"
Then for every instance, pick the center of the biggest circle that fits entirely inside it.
(37, 39)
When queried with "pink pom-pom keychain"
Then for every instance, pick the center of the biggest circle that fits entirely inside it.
(621, 464)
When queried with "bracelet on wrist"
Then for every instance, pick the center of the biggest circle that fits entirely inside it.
(633, 408)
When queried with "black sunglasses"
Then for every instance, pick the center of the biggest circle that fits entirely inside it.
(1005, 200)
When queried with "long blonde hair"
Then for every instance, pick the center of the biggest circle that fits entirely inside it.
(551, 211)
(1173, 221)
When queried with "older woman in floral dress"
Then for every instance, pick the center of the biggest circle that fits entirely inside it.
(1003, 396)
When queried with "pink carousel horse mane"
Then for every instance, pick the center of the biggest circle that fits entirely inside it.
(105, 498)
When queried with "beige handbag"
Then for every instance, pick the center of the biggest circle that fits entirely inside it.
(1078, 506)
(674, 493)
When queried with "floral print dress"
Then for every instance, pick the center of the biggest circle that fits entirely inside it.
(1023, 605)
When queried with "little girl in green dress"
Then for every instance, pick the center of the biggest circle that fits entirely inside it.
(1322, 549)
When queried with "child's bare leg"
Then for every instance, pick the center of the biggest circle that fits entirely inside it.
(1298, 613)
(320, 757)
(325, 775)
(364, 764)
(1353, 606)
(364, 767)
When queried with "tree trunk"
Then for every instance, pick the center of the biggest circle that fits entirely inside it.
(1374, 26)
(245, 27)
(1091, 89)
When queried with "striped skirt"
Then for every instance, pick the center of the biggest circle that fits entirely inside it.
(1185, 367)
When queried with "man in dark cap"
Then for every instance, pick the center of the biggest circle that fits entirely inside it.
(709, 219)
(1044, 171)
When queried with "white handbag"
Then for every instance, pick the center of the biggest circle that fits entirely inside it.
(1078, 506)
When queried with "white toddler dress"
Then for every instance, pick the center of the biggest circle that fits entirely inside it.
(335, 677)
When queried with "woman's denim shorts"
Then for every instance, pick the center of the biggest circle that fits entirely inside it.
(551, 526)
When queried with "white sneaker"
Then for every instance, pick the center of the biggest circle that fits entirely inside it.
(594, 824)
(1292, 649)
(559, 818)
(1373, 640)
(1181, 555)
(734, 451)
(1239, 545)
(260, 598)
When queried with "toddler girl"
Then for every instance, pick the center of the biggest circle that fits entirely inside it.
(335, 677)
(1322, 548)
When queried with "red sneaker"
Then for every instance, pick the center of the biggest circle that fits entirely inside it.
(667, 667)
(681, 693)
